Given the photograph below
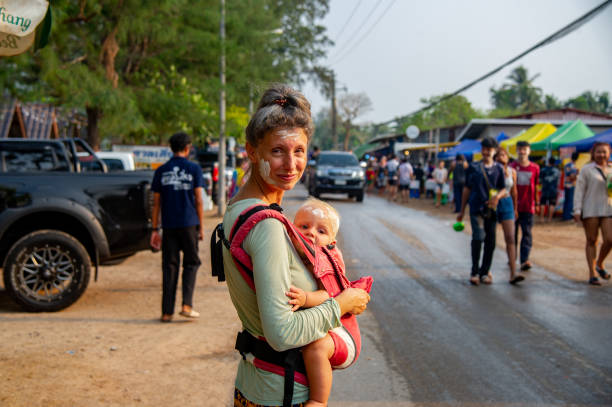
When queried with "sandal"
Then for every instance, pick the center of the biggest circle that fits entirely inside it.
(166, 318)
(602, 273)
(594, 281)
(526, 266)
(474, 280)
(190, 314)
(516, 279)
(486, 279)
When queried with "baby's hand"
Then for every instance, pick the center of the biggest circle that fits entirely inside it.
(298, 297)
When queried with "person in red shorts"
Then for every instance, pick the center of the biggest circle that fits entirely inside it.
(527, 175)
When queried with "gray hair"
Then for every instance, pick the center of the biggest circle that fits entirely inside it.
(280, 107)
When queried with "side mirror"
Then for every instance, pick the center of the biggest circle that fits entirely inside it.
(312, 163)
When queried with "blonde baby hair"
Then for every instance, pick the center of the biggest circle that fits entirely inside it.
(327, 212)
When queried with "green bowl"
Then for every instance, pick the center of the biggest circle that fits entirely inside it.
(459, 226)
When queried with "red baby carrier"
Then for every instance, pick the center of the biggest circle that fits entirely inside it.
(327, 266)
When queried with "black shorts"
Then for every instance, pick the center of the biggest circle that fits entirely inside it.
(392, 182)
(548, 200)
(404, 187)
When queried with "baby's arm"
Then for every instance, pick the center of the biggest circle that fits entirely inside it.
(303, 299)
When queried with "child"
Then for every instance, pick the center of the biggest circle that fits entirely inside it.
(319, 222)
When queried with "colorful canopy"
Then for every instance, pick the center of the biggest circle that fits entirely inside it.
(571, 131)
(587, 143)
(466, 147)
(533, 134)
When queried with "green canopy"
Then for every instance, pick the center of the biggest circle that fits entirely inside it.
(365, 148)
(571, 131)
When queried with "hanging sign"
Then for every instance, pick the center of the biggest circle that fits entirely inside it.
(21, 17)
(11, 44)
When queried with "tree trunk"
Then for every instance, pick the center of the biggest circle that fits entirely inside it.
(93, 137)
(347, 136)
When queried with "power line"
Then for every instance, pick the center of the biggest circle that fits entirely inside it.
(359, 27)
(366, 34)
(348, 20)
(571, 27)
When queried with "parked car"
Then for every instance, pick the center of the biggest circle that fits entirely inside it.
(117, 161)
(208, 160)
(58, 218)
(336, 172)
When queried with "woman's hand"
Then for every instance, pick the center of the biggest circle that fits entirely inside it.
(155, 241)
(353, 301)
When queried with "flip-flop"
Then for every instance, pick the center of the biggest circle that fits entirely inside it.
(516, 279)
(602, 273)
(594, 281)
(526, 266)
(190, 314)
(474, 280)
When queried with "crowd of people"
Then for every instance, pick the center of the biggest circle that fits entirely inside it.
(511, 192)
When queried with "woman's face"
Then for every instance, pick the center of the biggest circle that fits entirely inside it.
(601, 155)
(280, 157)
(502, 157)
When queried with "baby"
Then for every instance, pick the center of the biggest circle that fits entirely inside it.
(319, 222)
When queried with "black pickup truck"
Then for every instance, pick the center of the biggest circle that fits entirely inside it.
(61, 213)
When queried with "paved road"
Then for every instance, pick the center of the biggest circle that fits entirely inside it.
(432, 339)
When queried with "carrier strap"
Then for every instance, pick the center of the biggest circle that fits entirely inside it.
(290, 360)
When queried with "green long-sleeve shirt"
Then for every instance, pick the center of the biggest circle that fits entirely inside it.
(276, 266)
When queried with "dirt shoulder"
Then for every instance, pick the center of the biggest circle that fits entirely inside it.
(557, 246)
(109, 349)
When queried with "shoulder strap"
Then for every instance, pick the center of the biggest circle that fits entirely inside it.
(247, 221)
(484, 173)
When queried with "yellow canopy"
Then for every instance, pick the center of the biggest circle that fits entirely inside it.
(533, 134)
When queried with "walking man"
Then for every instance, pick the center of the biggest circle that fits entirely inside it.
(527, 175)
(484, 187)
(459, 169)
(569, 184)
(177, 187)
(549, 177)
(405, 176)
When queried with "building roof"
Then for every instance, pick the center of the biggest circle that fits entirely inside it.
(565, 111)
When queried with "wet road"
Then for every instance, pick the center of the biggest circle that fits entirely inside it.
(429, 338)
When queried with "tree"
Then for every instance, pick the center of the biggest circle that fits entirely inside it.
(519, 94)
(453, 111)
(351, 106)
(591, 101)
(142, 71)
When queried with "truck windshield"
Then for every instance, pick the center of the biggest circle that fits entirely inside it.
(340, 160)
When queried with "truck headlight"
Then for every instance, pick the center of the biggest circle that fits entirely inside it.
(321, 173)
(358, 174)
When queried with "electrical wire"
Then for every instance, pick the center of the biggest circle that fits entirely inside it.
(356, 32)
(365, 35)
(348, 21)
(571, 27)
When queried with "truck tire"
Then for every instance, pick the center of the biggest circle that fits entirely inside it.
(359, 196)
(46, 270)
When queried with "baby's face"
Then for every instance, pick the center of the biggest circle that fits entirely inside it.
(315, 225)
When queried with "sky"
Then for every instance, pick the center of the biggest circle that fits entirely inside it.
(425, 48)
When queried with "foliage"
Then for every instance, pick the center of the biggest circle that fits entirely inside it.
(453, 111)
(591, 101)
(350, 107)
(519, 94)
(149, 68)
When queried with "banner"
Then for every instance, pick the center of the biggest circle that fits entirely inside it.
(21, 17)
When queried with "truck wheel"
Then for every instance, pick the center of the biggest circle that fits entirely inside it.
(359, 196)
(46, 270)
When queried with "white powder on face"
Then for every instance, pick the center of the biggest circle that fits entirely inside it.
(264, 171)
(325, 214)
(291, 133)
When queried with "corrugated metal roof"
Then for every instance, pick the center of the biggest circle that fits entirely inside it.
(38, 120)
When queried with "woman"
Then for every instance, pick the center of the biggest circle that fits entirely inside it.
(276, 142)
(593, 205)
(506, 210)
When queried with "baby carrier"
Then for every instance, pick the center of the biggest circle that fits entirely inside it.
(327, 266)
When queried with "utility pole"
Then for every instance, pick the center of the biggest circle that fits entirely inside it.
(222, 154)
(333, 111)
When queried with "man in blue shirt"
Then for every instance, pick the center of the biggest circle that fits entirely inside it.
(483, 189)
(177, 187)
(569, 185)
(549, 177)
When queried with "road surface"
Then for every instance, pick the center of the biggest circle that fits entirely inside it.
(430, 338)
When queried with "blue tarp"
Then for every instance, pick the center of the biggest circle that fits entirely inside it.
(501, 137)
(587, 143)
(466, 147)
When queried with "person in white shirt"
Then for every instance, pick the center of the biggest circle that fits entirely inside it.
(392, 177)
(593, 206)
(440, 175)
(405, 176)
